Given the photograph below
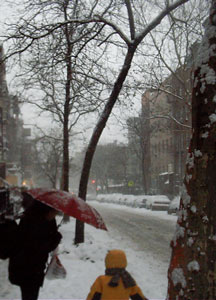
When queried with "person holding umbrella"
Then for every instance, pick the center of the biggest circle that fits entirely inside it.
(37, 236)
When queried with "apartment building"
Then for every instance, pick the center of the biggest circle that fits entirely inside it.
(168, 112)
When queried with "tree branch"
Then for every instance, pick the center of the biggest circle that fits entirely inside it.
(131, 19)
(158, 19)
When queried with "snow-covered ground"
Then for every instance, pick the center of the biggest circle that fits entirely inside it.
(85, 262)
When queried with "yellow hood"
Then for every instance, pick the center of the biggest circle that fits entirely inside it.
(115, 259)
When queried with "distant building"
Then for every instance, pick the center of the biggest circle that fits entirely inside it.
(15, 152)
(168, 127)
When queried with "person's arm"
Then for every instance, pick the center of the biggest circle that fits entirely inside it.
(96, 290)
(51, 243)
(49, 237)
(136, 294)
(41, 236)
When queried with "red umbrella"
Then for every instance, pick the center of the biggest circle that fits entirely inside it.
(68, 204)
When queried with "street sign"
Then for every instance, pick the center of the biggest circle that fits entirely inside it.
(130, 183)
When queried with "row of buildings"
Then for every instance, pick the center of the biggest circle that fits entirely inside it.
(15, 140)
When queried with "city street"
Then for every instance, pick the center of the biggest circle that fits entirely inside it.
(147, 233)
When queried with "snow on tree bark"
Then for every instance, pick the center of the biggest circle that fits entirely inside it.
(192, 270)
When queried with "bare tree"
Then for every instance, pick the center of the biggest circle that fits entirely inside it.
(48, 156)
(167, 99)
(132, 43)
(174, 50)
(60, 75)
(138, 143)
(109, 165)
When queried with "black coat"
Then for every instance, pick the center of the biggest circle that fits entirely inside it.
(35, 239)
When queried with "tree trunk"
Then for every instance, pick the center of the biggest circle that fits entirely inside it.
(65, 170)
(192, 270)
(146, 162)
(145, 174)
(65, 167)
(65, 175)
(79, 233)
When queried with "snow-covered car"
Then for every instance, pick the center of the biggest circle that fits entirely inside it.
(129, 200)
(174, 205)
(159, 202)
(140, 202)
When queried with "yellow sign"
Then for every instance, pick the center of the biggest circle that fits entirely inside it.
(130, 183)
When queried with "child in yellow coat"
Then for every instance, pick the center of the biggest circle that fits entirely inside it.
(117, 283)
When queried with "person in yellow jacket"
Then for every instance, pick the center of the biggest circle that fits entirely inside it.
(117, 283)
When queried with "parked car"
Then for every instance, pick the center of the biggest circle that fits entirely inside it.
(159, 202)
(174, 206)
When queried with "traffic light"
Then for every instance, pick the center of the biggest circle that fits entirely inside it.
(93, 181)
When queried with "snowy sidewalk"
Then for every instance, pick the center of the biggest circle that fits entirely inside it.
(85, 262)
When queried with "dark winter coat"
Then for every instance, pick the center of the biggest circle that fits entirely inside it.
(35, 239)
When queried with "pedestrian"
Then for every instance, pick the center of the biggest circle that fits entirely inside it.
(117, 283)
(37, 236)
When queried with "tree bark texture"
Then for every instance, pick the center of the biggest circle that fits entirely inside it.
(192, 270)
